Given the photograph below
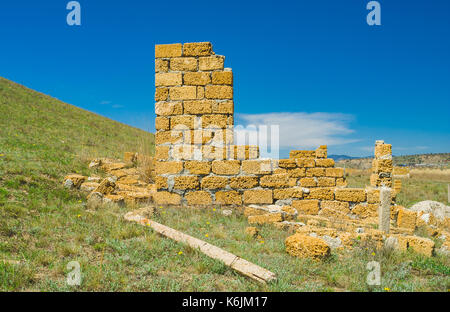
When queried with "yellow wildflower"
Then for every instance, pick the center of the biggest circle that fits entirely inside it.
(206, 235)
(386, 289)
(180, 252)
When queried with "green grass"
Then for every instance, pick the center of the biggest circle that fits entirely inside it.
(43, 226)
(414, 189)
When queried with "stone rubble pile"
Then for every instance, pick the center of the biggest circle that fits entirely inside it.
(337, 233)
(127, 182)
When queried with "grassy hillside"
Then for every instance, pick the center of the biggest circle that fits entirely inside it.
(41, 140)
(43, 226)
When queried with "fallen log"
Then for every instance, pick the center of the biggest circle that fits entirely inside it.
(241, 265)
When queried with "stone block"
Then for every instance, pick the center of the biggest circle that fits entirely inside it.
(196, 78)
(265, 218)
(303, 162)
(342, 207)
(226, 107)
(315, 172)
(198, 167)
(198, 198)
(285, 193)
(161, 94)
(197, 49)
(168, 50)
(297, 172)
(350, 194)
(308, 182)
(168, 79)
(215, 62)
(274, 180)
(168, 108)
(226, 167)
(406, 218)
(257, 166)
(307, 207)
(321, 152)
(183, 93)
(228, 198)
(325, 162)
(243, 182)
(168, 167)
(161, 66)
(258, 197)
(303, 246)
(214, 182)
(320, 193)
(219, 92)
(287, 163)
(183, 64)
(186, 182)
(171, 137)
(199, 107)
(326, 182)
(167, 198)
(222, 78)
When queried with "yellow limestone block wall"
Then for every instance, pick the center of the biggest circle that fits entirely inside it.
(198, 164)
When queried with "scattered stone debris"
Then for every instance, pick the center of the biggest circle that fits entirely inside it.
(445, 249)
(344, 233)
(74, 180)
(437, 209)
(252, 231)
(304, 246)
(227, 212)
(94, 200)
(123, 184)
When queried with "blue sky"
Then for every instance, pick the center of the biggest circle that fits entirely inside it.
(314, 67)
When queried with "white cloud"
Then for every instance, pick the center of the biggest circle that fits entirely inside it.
(105, 102)
(305, 130)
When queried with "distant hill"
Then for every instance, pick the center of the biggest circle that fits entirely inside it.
(434, 160)
(341, 157)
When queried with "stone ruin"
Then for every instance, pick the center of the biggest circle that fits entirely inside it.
(196, 163)
(128, 182)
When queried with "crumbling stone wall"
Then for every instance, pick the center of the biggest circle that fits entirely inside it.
(198, 164)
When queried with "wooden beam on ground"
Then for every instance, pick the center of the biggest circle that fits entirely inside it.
(242, 266)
